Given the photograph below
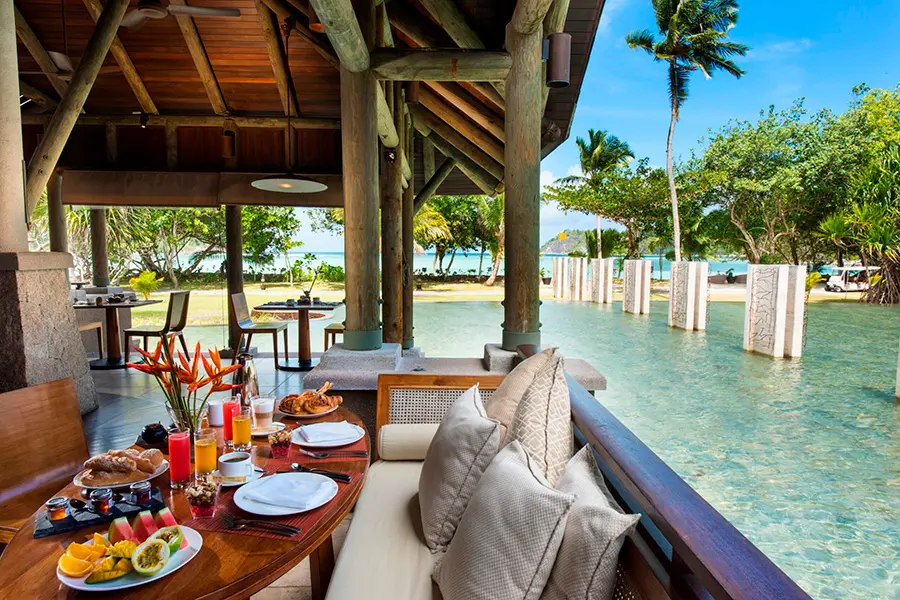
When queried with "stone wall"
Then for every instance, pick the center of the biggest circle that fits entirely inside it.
(775, 310)
(636, 287)
(688, 290)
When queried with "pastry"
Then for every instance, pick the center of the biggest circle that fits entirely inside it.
(310, 402)
(149, 460)
(127, 453)
(96, 478)
(105, 462)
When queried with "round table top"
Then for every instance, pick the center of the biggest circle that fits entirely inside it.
(229, 565)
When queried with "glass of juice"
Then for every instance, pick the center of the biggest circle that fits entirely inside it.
(230, 408)
(179, 458)
(241, 424)
(204, 452)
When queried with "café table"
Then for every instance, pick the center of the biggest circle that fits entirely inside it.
(114, 359)
(229, 565)
(304, 361)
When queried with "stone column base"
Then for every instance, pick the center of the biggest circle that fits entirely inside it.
(41, 342)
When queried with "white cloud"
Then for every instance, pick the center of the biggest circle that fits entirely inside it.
(575, 171)
(610, 10)
(779, 50)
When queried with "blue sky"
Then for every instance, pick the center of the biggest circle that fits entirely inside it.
(817, 49)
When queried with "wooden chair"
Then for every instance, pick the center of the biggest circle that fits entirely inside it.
(176, 319)
(332, 331)
(43, 446)
(241, 314)
(98, 325)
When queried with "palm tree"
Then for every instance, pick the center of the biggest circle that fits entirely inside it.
(429, 228)
(491, 215)
(836, 230)
(694, 37)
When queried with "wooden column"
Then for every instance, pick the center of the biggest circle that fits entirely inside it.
(407, 227)
(391, 229)
(56, 214)
(234, 267)
(524, 101)
(359, 142)
(99, 250)
(428, 158)
(57, 132)
(13, 230)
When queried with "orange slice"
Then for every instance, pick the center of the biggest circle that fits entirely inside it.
(74, 567)
(99, 540)
(97, 552)
(79, 551)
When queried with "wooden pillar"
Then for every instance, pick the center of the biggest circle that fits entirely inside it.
(428, 158)
(522, 205)
(359, 142)
(99, 256)
(407, 226)
(56, 214)
(234, 266)
(391, 225)
(13, 230)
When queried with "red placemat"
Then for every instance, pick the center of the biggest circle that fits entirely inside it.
(294, 455)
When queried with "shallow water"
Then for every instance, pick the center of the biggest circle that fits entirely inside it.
(803, 456)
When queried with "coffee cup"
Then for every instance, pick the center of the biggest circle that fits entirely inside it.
(235, 465)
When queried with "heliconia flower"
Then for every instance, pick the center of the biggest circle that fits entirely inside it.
(227, 371)
(214, 355)
(195, 368)
(208, 366)
(199, 384)
(184, 361)
(158, 352)
(224, 387)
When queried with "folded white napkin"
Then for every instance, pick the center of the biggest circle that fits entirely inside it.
(329, 432)
(290, 492)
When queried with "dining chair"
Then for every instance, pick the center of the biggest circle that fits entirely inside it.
(241, 314)
(176, 319)
(43, 446)
(332, 332)
(98, 326)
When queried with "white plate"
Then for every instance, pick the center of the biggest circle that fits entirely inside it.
(176, 561)
(162, 468)
(306, 416)
(296, 439)
(268, 510)
(276, 426)
(254, 475)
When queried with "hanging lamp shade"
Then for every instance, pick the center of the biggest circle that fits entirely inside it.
(289, 184)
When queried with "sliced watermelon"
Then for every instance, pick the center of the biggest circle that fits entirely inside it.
(143, 526)
(165, 518)
(120, 531)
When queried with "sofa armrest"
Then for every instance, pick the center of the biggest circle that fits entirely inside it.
(405, 441)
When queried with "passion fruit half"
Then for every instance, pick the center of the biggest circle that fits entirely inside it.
(170, 535)
(150, 557)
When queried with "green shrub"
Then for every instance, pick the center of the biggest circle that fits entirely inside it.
(145, 284)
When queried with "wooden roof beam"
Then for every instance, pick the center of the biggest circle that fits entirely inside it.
(434, 182)
(426, 121)
(125, 65)
(268, 23)
(343, 30)
(41, 99)
(290, 14)
(477, 136)
(201, 60)
(194, 121)
(432, 64)
(455, 96)
(34, 46)
(529, 15)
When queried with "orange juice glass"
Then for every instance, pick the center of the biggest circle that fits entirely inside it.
(205, 452)
(240, 429)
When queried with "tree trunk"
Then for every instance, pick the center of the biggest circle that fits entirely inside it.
(599, 237)
(840, 257)
(480, 259)
(670, 170)
(450, 264)
(497, 260)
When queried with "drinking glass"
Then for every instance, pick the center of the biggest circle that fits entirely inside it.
(204, 452)
(179, 458)
(241, 424)
(263, 409)
(230, 408)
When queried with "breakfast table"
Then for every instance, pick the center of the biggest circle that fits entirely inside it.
(114, 359)
(304, 361)
(229, 564)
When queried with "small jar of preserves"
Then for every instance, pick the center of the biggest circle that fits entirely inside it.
(140, 491)
(57, 508)
(102, 500)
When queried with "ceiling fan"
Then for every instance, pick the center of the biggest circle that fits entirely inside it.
(153, 9)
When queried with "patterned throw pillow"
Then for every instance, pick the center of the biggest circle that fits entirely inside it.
(543, 420)
(503, 403)
(508, 538)
(464, 445)
(585, 567)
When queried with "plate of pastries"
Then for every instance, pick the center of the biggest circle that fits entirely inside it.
(119, 468)
(310, 404)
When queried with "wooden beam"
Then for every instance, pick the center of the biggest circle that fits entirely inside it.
(462, 124)
(433, 64)
(427, 158)
(529, 15)
(408, 245)
(290, 14)
(477, 174)
(386, 130)
(268, 23)
(194, 121)
(201, 60)
(34, 46)
(486, 93)
(37, 96)
(452, 20)
(56, 134)
(343, 29)
(458, 140)
(125, 65)
(434, 182)
(391, 226)
(464, 103)
(383, 27)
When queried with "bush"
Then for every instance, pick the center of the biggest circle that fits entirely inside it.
(334, 273)
(145, 284)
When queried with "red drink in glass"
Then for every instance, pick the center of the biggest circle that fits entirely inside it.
(229, 409)
(179, 458)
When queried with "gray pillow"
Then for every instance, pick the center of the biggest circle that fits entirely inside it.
(595, 531)
(464, 445)
(508, 538)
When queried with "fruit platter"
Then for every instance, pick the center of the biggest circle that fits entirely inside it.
(129, 554)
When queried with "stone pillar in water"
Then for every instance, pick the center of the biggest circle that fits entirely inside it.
(775, 310)
(578, 283)
(601, 280)
(636, 288)
(556, 280)
(688, 287)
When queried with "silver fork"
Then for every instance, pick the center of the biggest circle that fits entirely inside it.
(330, 453)
(232, 522)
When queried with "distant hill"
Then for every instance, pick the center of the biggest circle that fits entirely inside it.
(574, 242)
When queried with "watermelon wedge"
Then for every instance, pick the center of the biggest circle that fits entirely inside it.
(143, 526)
(165, 518)
(120, 531)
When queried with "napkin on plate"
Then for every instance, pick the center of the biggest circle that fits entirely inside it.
(329, 432)
(290, 492)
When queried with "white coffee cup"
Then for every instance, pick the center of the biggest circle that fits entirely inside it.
(235, 464)
(214, 413)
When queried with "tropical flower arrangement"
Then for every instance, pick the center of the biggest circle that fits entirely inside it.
(181, 380)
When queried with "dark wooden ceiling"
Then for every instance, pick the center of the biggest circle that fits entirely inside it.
(237, 53)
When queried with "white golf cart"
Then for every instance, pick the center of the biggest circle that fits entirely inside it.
(849, 279)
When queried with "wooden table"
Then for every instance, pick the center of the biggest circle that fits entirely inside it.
(114, 359)
(304, 361)
(229, 565)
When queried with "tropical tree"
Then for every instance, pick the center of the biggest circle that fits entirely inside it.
(492, 216)
(694, 37)
(429, 228)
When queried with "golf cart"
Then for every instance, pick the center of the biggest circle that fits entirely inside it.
(849, 279)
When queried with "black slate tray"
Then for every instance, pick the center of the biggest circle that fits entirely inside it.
(81, 519)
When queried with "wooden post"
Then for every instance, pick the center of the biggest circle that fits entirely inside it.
(99, 250)
(434, 182)
(428, 158)
(234, 267)
(391, 227)
(359, 142)
(56, 214)
(41, 165)
(407, 227)
(524, 99)
(13, 228)
(347, 32)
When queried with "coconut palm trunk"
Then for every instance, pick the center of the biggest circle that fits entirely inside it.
(670, 169)
(599, 237)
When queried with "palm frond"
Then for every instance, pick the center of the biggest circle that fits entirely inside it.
(640, 38)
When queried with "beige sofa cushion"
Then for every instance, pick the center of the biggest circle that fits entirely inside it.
(505, 399)
(595, 531)
(405, 441)
(508, 538)
(384, 556)
(543, 419)
(463, 446)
